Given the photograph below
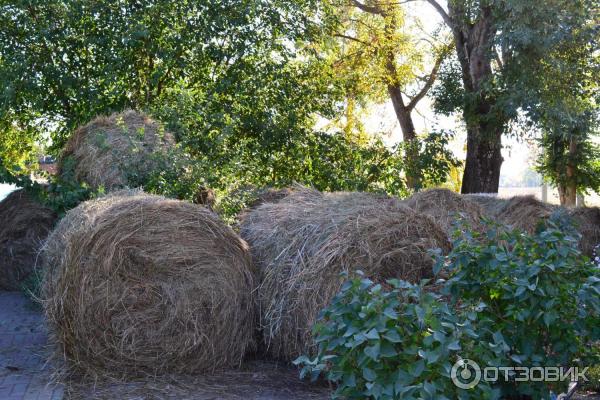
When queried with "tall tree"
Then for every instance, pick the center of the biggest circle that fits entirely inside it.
(569, 114)
(495, 42)
(378, 58)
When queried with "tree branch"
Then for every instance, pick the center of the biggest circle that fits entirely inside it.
(366, 8)
(430, 80)
(351, 38)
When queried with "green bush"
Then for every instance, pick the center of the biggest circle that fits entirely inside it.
(391, 344)
(511, 299)
(541, 296)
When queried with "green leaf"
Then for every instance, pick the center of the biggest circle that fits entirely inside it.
(369, 374)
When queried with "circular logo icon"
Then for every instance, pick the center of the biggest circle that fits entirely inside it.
(465, 374)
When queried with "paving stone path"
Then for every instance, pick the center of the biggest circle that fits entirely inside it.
(24, 373)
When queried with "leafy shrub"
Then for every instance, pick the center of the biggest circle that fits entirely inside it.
(391, 344)
(511, 299)
(541, 296)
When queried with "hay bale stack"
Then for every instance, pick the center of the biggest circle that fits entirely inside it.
(24, 225)
(445, 207)
(587, 222)
(116, 151)
(140, 284)
(524, 212)
(302, 243)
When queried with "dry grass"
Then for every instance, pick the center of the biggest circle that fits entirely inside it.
(115, 151)
(490, 205)
(445, 207)
(270, 195)
(587, 222)
(24, 225)
(138, 284)
(257, 380)
(524, 212)
(302, 243)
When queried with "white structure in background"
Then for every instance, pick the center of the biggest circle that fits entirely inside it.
(5, 190)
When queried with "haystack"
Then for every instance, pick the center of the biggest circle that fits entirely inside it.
(141, 284)
(120, 150)
(24, 224)
(446, 207)
(303, 242)
(491, 205)
(270, 195)
(587, 222)
(524, 212)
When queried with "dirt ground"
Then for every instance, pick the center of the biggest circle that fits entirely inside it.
(26, 375)
(256, 381)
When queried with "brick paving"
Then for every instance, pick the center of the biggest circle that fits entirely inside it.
(24, 372)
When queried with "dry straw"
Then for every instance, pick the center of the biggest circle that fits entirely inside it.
(587, 221)
(303, 242)
(24, 225)
(116, 151)
(140, 284)
(490, 204)
(445, 207)
(524, 212)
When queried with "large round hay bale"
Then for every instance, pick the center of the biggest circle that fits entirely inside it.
(142, 284)
(303, 242)
(587, 222)
(120, 150)
(24, 224)
(524, 212)
(445, 207)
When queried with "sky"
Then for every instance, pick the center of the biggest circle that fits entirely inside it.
(381, 118)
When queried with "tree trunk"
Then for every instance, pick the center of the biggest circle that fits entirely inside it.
(473, 42)
(484, 159)
(409, 136)
(567, 191)
(567, 195)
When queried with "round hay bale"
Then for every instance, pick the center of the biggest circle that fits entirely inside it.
(25, 224)
(303, 243)
(524, 212)
(270, 195)
(445, 207)
(587, 222)
(490, 204)
(140, 284)
(116, 151)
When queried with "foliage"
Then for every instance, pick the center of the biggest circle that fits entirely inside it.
(390, 344)
(511, 299)
(435, 162)
(539, 295)
(568, 92)
(60, 194)
(66, 61)
(504, 50)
